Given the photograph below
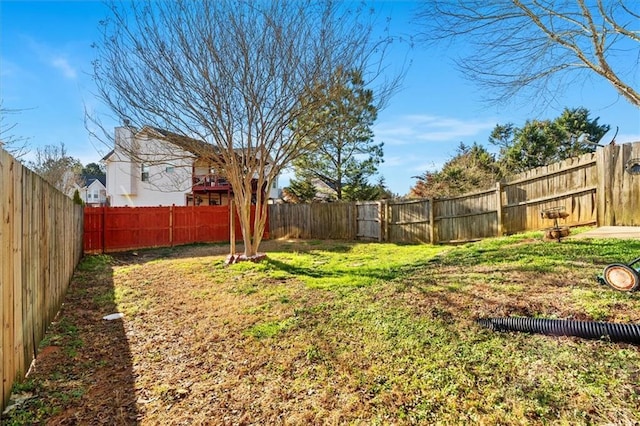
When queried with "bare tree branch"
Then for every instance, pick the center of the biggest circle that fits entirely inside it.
(56, 167)
(536, 46)
(9, 141)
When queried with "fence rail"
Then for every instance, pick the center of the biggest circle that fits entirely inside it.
(599, 187)
(40, 246)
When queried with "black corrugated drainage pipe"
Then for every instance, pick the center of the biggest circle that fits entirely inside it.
(616, 332)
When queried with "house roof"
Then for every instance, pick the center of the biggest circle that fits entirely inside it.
(194, 146)
(106, 157)
(90, 179)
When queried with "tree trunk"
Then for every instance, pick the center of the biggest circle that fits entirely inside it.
(244, 211)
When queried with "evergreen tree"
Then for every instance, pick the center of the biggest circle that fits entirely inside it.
(300, 191)
(579, 130)
(93, 170)
(344, 152)
(358, 189)
(472, 168)
(537, 143)
(542, 142)
(77, 199)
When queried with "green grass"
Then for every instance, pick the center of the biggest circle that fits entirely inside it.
(543, 256)
(357, 333)
(95, 263)
(342, 266)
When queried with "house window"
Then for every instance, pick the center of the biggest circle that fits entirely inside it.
(170, 169)
(145, 173)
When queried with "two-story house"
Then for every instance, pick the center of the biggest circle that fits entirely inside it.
(163, 172)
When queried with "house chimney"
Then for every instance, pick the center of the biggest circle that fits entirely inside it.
(123, 138)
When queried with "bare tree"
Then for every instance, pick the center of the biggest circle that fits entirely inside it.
(56, 167)
(9, 141)
(540, 46)
(235, 74)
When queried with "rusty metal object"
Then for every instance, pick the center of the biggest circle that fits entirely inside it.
(556, 233)
(554, 214)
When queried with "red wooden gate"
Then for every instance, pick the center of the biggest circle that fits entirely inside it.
(110, 229)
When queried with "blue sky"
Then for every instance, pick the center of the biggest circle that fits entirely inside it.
(45, 65)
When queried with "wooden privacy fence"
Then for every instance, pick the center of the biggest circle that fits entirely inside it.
(40, 246)
(598, 188)
(313, 221)
(111, 229)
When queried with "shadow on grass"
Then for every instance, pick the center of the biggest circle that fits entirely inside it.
(83, 372)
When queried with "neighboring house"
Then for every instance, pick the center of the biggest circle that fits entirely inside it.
(170, 173)
(93, 193)
(324, 193)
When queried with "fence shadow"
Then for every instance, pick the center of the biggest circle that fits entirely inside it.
(83, 373)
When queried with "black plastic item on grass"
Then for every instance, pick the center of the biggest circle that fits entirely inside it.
(616, 332)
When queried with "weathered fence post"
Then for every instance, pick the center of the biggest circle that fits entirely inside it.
(500, 226)
(605, 166)
(380, 221)
(387, 218)
(171, 225)
(432, 222)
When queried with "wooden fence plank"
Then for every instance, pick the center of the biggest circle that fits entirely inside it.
(409, 221)
(34, 271)
(7, 166)
(625, 185)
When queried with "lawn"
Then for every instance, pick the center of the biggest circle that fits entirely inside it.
(327, 332)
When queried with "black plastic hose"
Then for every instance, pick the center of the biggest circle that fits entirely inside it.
(616, 332)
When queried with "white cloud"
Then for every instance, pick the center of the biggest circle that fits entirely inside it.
(63, 65)
(395, 161)
(430, 128)
(56, 57)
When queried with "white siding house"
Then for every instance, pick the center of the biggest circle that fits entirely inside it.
(93, 193)
(162, 174)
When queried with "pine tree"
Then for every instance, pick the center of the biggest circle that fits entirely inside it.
(77, 199)
(343, 140)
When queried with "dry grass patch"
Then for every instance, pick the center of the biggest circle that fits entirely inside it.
(338, 333)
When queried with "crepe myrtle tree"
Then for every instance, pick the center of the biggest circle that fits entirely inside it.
(539, 47)
(235, 74)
